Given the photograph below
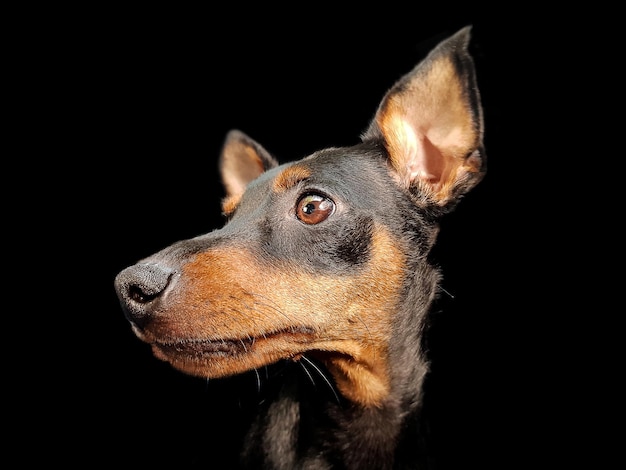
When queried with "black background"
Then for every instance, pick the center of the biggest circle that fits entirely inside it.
(138, 104)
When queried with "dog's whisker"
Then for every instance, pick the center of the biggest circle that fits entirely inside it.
(258, 380)
(270, 304)
(323, 376)
(307, 372)
(245, 313)
(446, 292)
(369, 333)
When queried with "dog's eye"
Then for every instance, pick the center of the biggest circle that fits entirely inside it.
(314, 208)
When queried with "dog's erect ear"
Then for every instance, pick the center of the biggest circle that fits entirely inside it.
(242, 160)
(432, 125)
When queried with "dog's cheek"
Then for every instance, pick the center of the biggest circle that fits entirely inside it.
(353, 243)
(330, 249)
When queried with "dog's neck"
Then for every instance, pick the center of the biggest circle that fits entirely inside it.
(369, 437)
(307, 409)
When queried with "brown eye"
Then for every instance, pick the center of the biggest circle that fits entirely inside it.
(313, 208)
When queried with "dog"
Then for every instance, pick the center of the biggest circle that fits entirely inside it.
(323, 268)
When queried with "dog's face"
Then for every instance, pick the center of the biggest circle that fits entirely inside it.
(320, 256)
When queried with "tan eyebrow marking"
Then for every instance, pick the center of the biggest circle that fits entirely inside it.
(291, 176)
(230, 203)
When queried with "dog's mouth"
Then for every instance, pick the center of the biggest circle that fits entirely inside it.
(222, 357)
(359, 371)
(205, 348)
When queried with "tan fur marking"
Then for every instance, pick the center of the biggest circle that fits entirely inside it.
(230, 203)
(290, 177)
(227, 296)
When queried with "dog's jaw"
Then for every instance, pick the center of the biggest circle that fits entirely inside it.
(360, 374)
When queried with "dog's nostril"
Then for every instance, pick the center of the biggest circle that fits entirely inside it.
(136, 294)
(139, 285)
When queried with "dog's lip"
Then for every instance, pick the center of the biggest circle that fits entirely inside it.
(203, 347)
(200, 347)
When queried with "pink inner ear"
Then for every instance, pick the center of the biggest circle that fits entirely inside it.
(423, 161)
(427, 156)
(413, 155)
(240, 165)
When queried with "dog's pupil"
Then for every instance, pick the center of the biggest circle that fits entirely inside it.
(309, 208)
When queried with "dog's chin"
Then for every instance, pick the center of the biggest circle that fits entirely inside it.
(223, 358)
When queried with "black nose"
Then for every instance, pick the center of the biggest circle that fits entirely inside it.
(139, 287)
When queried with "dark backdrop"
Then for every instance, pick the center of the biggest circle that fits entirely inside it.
(151, 95)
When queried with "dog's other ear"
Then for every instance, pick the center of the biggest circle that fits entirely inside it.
(431, 123)
(242, 160)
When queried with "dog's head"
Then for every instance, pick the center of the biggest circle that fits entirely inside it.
(324, 256)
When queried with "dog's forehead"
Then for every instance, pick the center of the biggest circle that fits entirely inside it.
(339, 168)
